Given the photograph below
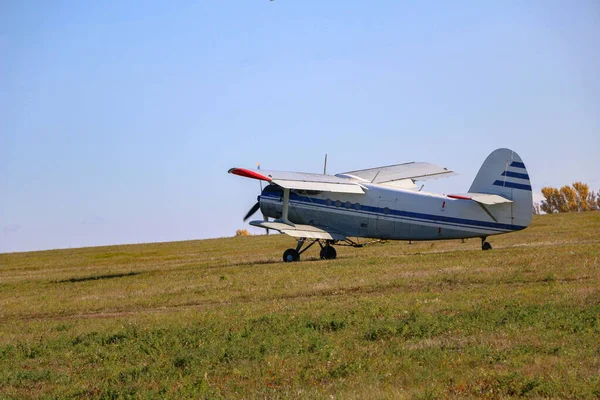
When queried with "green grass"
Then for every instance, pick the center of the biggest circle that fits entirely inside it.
(225, 318)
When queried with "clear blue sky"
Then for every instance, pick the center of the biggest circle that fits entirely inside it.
(119, 120)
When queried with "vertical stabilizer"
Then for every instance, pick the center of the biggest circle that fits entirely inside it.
(504, 173)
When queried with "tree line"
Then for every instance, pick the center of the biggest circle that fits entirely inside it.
(574, 198)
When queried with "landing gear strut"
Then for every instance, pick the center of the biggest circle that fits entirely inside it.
(485, 245)
(327, 250)
(294, 254)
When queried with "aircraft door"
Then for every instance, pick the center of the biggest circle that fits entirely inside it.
(386, 224)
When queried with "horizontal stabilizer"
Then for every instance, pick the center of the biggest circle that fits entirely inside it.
(483, 198)
(300, 231)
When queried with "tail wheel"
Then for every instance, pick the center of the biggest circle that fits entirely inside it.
(291, 255)
(328, 253)
(486, 246)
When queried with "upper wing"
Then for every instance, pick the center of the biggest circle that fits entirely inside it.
(415, 171)
(400, 175)
(302, 181)
(301, 231)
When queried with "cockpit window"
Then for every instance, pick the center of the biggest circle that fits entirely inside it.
(274, 189)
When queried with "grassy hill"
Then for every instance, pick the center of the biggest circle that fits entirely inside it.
(226, 318)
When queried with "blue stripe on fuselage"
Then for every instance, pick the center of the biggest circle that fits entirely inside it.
(370, 210)
(517, 164)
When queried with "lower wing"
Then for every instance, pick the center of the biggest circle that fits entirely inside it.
(301, 231)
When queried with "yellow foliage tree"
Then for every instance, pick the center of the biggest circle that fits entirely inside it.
(242, 232)
(569, 198)
(554, 202)
(585, 198)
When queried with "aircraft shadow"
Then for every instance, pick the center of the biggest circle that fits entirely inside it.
(98, 277)
(267, 262)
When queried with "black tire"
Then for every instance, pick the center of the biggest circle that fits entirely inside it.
(328, 253)
(486, 246)
(291, 255)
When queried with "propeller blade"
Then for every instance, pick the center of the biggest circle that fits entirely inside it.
(266, 219)
(252, 211)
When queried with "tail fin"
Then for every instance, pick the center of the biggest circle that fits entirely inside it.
(503, 172)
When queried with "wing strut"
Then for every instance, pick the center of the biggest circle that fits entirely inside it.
(286, 207)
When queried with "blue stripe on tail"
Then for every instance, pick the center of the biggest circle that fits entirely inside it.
(513, 185)
(515, 175)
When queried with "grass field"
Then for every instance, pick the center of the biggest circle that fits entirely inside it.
(225, 318)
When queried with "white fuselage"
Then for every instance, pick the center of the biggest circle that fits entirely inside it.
(391, 213)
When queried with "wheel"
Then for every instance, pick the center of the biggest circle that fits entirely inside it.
(328, 253)
(291, 255)
(486, 246)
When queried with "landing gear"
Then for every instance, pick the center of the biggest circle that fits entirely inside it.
(294, 254)
(485, 245)
(291, 255)
(327, 250)
(328, 253)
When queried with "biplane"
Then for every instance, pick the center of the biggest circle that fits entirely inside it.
(385, 203)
